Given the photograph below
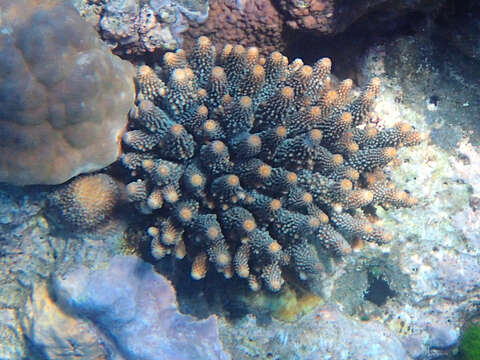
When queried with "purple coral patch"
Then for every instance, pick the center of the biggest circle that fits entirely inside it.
(136, 309)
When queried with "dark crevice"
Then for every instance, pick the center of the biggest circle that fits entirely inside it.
(378, 291)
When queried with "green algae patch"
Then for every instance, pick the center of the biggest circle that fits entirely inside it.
(470, 343)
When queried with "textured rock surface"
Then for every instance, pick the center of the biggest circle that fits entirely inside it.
(136, 309)
(326, 17)
(324, 334)
(64, 95)
(136, 28)
(26, 257)
(29, 254)
(56, 335)
(435, 244)
(460, 26)
(268, 24)
(430, 72)
(466, 165)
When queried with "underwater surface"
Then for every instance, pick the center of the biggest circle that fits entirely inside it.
(222, 179)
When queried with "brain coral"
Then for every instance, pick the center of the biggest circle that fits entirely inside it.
(252, 165)
(64, 96)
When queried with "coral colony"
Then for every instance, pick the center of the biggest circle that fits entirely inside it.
(87, 202)
(64, 96)
(249, 164)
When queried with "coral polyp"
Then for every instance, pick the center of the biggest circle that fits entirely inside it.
(251, 165)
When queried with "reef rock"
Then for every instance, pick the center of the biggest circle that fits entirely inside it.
(136, 310)
(436, 243)
(64, 95)
(327, 17)
(137, 28)
(324, 334)
(56, 335)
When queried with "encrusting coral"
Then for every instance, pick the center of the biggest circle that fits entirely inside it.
(249, 22)
(251, 165)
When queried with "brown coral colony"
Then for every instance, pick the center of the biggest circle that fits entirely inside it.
(87, 202)
(251, 165)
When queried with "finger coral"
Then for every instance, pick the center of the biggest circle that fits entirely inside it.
(86, 202)
(259, 163)
(64, 96)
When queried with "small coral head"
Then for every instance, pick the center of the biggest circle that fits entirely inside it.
(87, 202)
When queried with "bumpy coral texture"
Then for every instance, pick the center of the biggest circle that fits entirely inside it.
(319, 15)
(250, 22)
(86, 202)
(64, 96)
(252, 165)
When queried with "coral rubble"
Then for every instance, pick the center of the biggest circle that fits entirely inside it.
(64, 95)
(251, 165)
